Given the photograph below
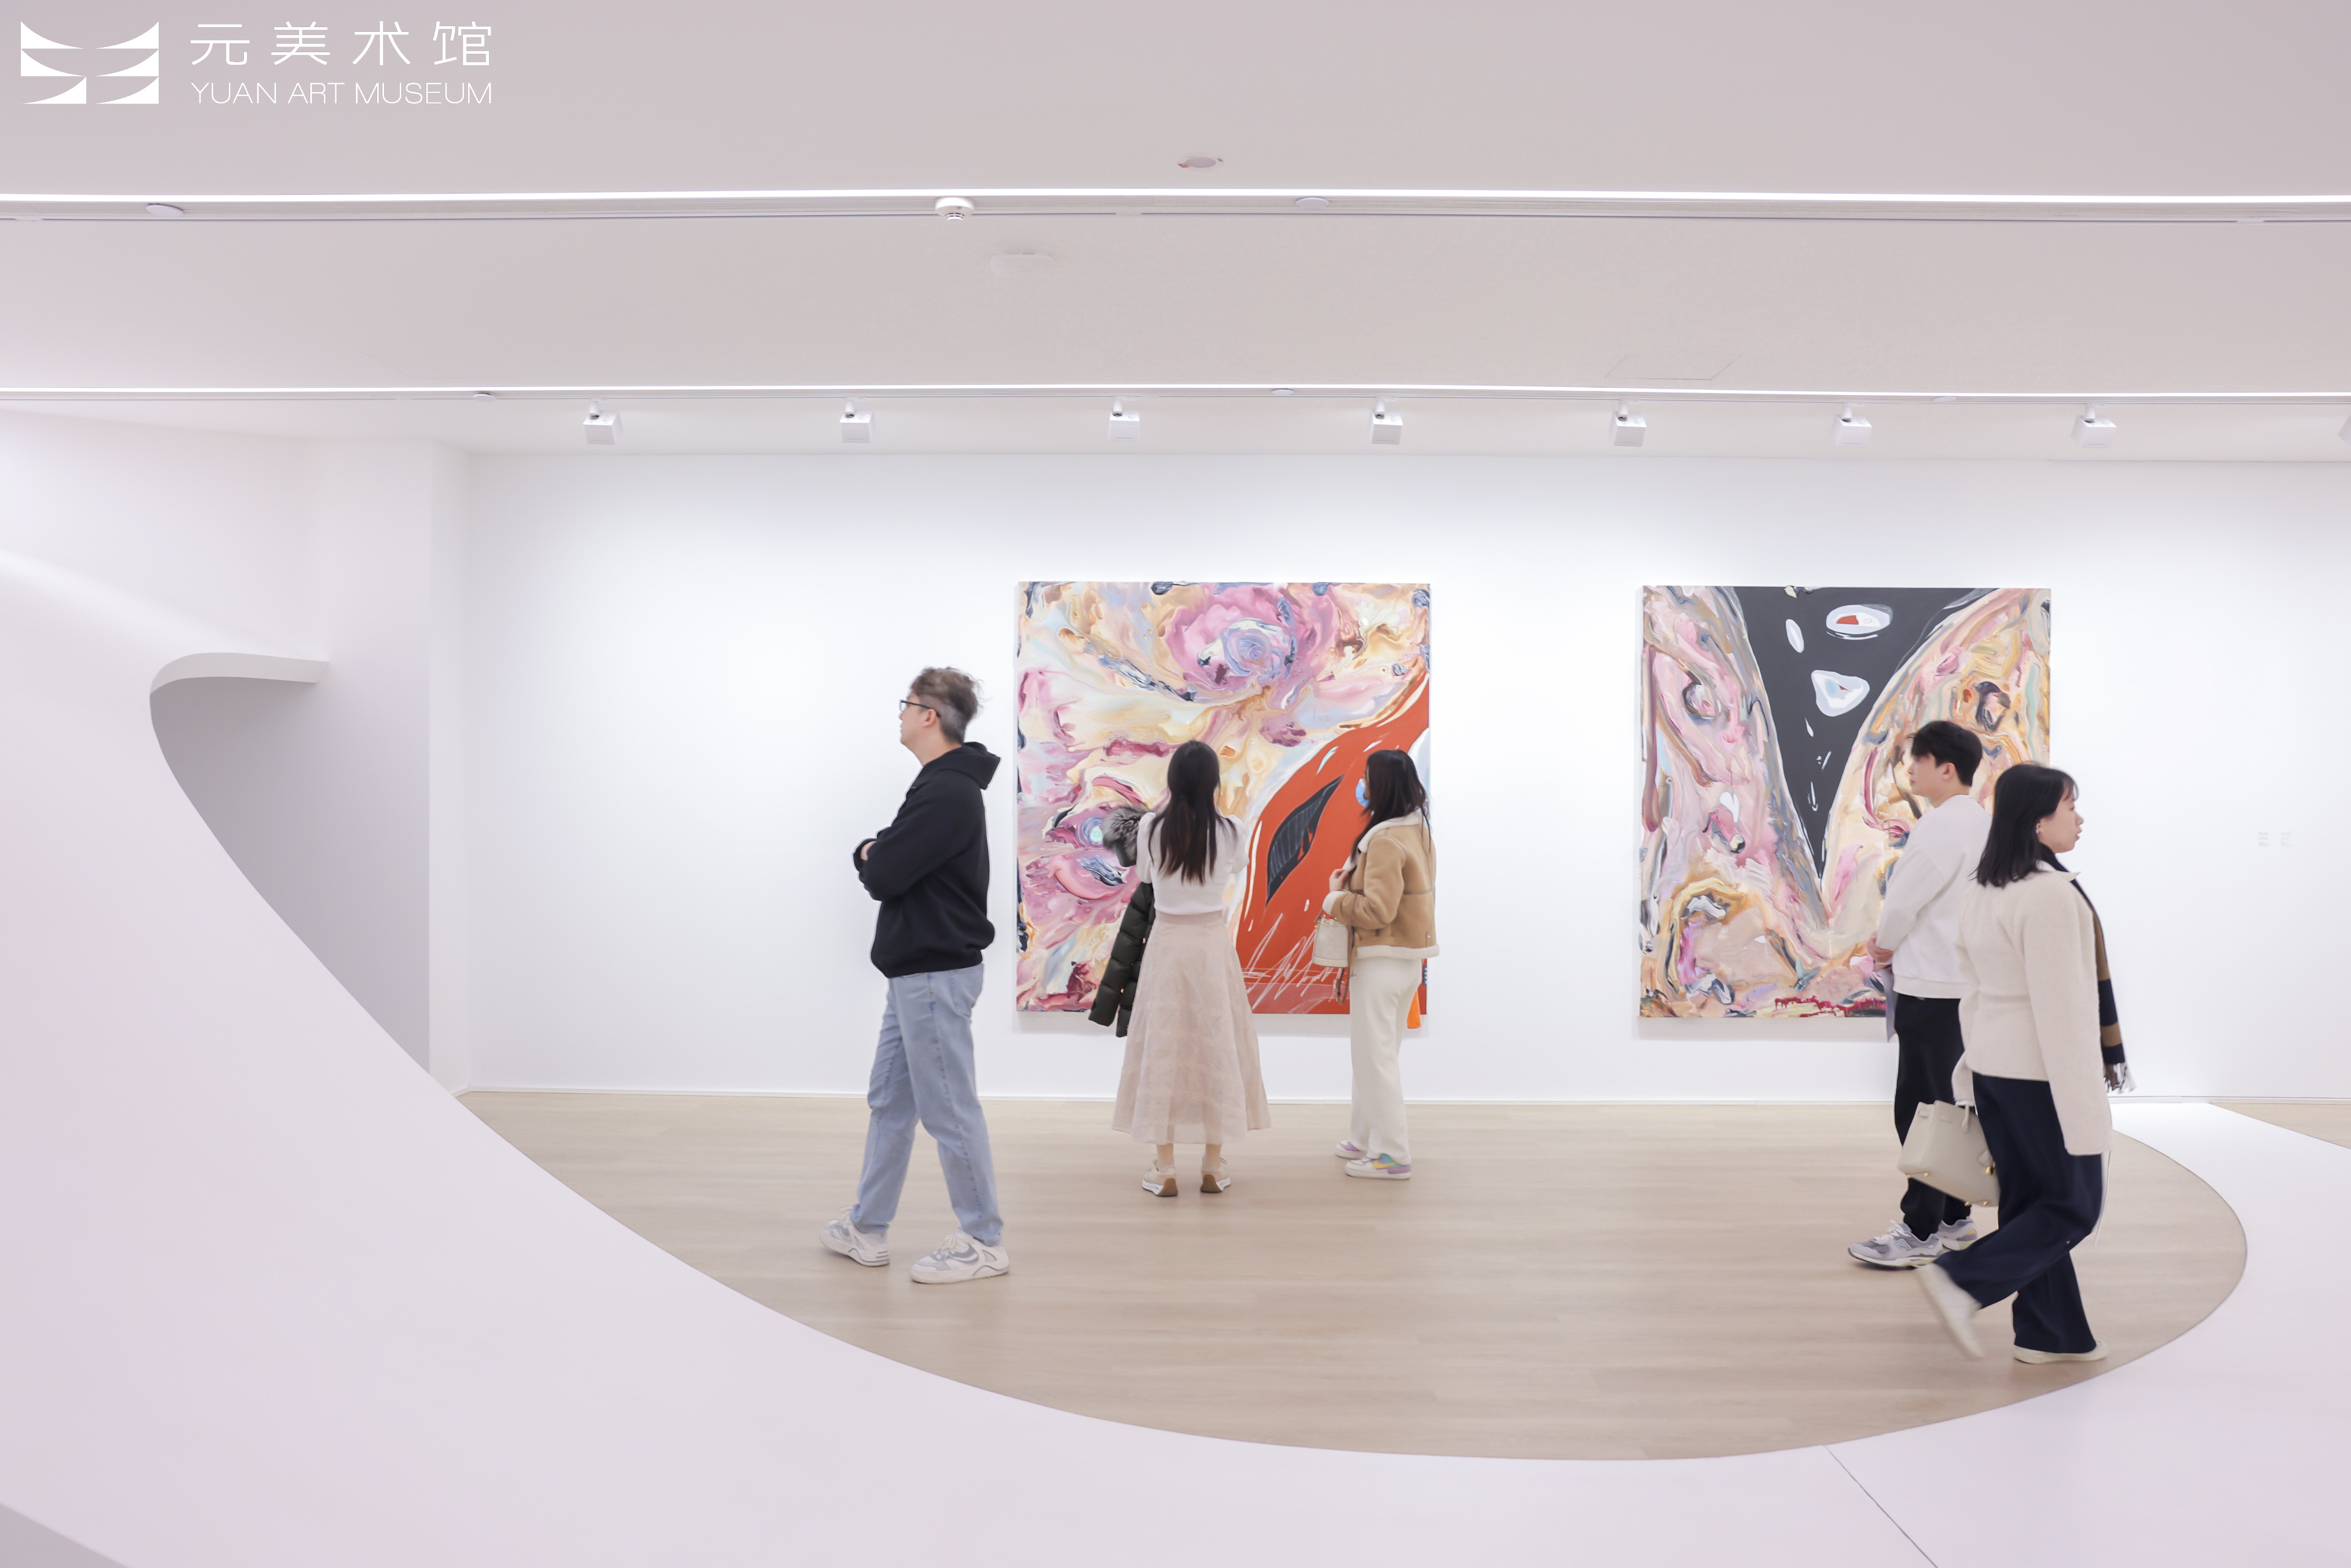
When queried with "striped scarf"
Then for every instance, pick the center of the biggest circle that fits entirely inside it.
(2110, 1022)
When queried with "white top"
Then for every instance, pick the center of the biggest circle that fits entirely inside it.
(2029, 953)
(1172, 894)
(1922, 914)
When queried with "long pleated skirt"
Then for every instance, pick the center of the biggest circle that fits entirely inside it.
(1191, 1073)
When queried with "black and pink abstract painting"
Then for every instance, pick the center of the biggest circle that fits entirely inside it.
(1774, 795)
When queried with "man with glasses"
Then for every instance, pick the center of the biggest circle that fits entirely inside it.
(928, 870)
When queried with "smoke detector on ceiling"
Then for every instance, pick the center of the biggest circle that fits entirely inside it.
(1199, 160)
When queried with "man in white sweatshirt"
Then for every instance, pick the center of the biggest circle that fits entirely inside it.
(1915, 928)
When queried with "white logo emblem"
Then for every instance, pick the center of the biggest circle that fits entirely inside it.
(82, 74)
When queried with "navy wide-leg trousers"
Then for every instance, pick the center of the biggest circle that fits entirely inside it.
(2049, 1200)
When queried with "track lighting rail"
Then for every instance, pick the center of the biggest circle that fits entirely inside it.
(1300, 202)
(1393, 391)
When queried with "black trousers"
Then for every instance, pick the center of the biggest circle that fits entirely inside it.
(2049, 1200)
(1926, 1047)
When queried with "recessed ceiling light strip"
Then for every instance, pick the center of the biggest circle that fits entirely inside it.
(1391, 390)
(1317, 205)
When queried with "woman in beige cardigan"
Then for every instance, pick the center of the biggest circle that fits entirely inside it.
(1387, 893)
(2027, 947)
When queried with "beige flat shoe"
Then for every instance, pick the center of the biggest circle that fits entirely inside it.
(1159, 1183)
(1954, 1306)
(1214, 1180)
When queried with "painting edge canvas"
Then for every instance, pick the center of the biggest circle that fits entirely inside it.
(1761, 882)
(1293, 681)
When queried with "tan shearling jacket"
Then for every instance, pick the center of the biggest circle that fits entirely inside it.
(1390, 894)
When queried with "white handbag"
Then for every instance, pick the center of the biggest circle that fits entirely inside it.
(1334, 940)
(1946, 1149)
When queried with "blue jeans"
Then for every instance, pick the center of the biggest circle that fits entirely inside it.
(923, 1071)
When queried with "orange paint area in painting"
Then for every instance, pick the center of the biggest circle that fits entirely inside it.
(1275, 931)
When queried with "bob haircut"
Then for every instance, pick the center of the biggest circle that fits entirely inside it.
(1392, 787)
(1186, 841)
(2024, 795)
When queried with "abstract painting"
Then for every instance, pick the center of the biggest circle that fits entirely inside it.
(1294, 684)
(1774, 793)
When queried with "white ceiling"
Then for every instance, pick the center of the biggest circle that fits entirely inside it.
(598, 97)
(2169, 95)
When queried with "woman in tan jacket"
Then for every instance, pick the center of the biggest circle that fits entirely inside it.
(2027, 946)
(1387, 893)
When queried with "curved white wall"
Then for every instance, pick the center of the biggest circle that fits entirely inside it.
(342, 549)
(682, 672)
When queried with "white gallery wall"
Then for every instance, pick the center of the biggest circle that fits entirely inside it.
(680, 686)
(327, 549)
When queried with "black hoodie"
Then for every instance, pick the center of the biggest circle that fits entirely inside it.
(929, 869)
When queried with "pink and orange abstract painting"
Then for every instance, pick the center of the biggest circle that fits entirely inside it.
(1775, 796)
(1294, 684)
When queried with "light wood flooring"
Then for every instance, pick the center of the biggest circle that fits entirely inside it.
(2327, 1119)
(1557, 1281)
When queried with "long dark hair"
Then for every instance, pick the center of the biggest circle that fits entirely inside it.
(1185, 840)
(1391, 788)
(2024, 795)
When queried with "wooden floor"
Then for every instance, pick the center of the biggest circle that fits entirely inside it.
(2327, 1119)
(1557, 1281)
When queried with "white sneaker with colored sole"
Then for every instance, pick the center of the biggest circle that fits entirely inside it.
(858, 1246)
(958, 1258)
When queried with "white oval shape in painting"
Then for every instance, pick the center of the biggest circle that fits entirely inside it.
(1838, 694)
(1855, 621)
(1795, 637)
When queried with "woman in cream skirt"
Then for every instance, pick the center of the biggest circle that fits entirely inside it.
(1191, 1073)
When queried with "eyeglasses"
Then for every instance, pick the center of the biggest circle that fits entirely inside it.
(905, 703)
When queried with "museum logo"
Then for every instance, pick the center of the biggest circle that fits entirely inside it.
(371, 61)
(127, 72)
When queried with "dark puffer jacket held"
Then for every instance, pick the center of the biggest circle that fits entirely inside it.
(1115, 996)
(929, 869)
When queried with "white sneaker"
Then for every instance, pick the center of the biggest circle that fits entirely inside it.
(958, 1258)
(1160, 1183)
(1958, 1235)
(1955, 1307)
(1380, 1167)
(1348, 1151)
(1897, 1248)
(858, 1246)
(2043, 1357)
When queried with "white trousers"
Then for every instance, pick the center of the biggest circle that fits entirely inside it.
(1379, 999)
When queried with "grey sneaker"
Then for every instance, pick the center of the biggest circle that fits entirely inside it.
(958, 1258)
(1958, 1235)
(1898, 1249)
(858, 1246)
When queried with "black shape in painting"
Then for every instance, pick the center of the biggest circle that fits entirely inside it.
(1860, 651)
(1294, 838)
